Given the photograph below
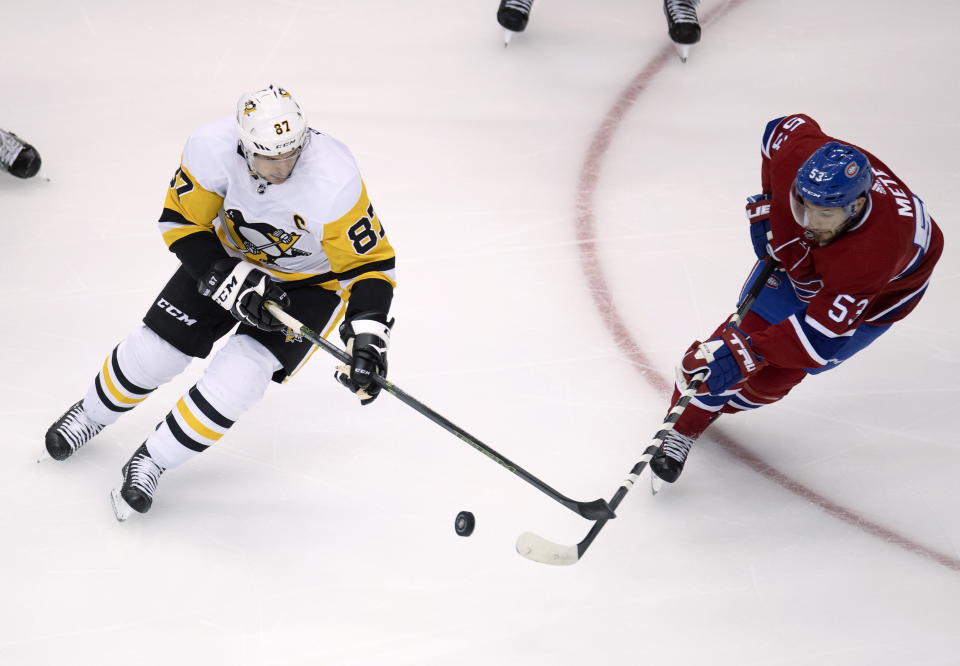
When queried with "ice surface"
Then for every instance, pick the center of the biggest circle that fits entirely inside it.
(820, 531)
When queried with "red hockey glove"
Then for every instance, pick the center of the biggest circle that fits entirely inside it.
(727, 360)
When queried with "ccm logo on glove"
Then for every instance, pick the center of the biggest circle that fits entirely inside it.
(244, 291)
(222, 295)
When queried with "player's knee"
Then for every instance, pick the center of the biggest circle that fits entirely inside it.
(772, 384)
(238, 376)
(148, 360)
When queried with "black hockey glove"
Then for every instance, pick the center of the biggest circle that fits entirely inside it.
(367, 338)
(243, 289)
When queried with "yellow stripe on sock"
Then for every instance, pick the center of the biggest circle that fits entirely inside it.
(194, 423)
(118, 396)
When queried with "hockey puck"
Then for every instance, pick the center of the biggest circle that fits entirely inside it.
(464, 523)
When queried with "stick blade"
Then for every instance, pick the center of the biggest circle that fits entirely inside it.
(538, 549)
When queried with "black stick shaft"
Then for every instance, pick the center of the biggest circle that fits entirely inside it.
(597, 509)
(754, 291)
(770, 265)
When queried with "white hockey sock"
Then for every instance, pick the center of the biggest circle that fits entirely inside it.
(235, 380)
(132, 371)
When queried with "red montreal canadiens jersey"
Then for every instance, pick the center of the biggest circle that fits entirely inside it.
(875, 273)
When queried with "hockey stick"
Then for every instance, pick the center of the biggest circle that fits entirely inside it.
(595, 510)
(536, 548)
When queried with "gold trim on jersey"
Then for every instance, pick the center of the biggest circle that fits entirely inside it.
(174, 233)
(331, 326)
(347, 286)
(191, 203)
(356, 238)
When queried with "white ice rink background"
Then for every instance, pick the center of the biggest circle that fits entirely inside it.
(822, 530)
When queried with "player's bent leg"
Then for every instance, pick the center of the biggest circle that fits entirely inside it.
(130, 373)
(766, 387)
(320, 309)
(134, 370)
(700, 412)
(235, 380)
(776, 301)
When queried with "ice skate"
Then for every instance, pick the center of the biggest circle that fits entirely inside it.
(17, 156)
(513, 15)
(682, 24)
(141, 475)
(71, 431)
(667, 464)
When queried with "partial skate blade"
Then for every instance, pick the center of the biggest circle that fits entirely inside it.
(507, 36)
(121, 509)
(656, 484)
(683, 50)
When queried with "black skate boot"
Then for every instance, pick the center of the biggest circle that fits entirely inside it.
(70, 432)
(141, 475)
(513, 16)
(17, 156)
(667, 464)
(682, 24)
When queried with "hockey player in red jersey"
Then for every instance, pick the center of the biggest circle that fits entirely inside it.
(855, 248)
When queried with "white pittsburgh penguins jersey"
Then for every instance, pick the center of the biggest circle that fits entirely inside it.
(318, 226)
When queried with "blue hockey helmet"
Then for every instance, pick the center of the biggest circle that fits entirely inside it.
(835, 176)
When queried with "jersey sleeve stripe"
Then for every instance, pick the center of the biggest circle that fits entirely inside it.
(805, 341)
(901, 303)
(823, 330)
(171, 215)
(173, 232)
(768, 134)
(387, 276)
(921, 238)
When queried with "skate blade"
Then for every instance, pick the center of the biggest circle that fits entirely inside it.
(683, 50)
(507, 36)
(656, 484)
(121, 509)
(46, 457)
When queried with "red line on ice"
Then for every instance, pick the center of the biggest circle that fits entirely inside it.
(585, 230)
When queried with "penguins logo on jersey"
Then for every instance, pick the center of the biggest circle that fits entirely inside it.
(261, 242)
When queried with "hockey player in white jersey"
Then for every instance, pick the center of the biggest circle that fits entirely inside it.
(262, 208)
